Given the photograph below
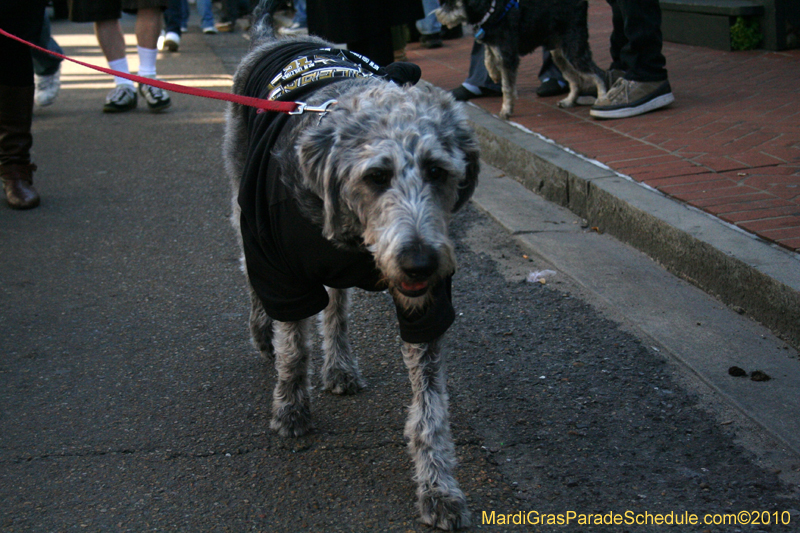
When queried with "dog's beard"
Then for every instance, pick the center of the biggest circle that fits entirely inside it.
(402, 222)
(451, 14)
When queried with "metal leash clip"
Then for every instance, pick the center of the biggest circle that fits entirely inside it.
(302, 107)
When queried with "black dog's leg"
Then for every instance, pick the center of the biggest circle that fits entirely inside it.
(260, 326)
(574, 59)
(340, 373)
(570, 74)
(291, 402)
(441, 502)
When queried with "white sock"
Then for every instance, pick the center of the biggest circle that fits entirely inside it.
(122, 66)
(147, 61)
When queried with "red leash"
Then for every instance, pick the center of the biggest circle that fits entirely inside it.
(259, 103)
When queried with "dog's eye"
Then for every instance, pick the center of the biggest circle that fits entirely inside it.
(380, 178)
(437, 173)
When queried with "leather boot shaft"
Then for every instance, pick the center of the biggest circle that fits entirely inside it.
(16, 115)
(16, 170)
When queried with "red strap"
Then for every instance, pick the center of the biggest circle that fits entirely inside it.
(259, 103)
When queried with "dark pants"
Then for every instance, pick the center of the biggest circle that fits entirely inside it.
(636, 40)
(234, 9)
(378, 48)
(175, 16)
(23, 19)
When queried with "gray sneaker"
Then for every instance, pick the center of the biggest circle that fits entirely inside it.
(121, 99)
(627, 98)
(157, 99)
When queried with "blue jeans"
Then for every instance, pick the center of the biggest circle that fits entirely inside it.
(206, 13)
(429, 25)
(45, 64)
(478, 77)
(176, 16)
(300, 16)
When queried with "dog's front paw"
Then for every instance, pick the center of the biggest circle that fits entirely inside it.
(444, 511)
(292, 420)
(343, 382)
(566, 103)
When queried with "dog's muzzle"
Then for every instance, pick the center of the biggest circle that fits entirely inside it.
(419, 263)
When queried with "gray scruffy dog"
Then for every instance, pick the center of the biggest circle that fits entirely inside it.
(357, 196)
(514, 28)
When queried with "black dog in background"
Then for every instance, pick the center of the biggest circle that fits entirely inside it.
(514, 28)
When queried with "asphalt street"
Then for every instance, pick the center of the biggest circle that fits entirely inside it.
(132, 400)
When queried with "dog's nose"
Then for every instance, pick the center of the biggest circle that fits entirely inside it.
(419, 262)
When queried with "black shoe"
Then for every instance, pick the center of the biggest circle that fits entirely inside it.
(462, 94)
(432, 40)
(452, 33)
(552, 87)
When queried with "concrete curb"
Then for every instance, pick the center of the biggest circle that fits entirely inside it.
(744, 272)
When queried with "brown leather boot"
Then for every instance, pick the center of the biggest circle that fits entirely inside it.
(16, 170)
(18, 185)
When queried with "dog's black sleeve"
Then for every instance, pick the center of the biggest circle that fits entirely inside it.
(431, 323)
(402, 73)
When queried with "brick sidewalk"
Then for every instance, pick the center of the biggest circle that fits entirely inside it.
(730, 144)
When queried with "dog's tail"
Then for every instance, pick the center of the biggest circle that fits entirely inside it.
(263, 20)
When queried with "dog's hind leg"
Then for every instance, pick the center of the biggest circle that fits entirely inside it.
(340, 373)
(441, 502)
(504, 70)
(571, 74)
(291, 401)
(260, 326)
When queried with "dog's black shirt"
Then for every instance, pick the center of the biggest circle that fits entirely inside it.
(289, 262)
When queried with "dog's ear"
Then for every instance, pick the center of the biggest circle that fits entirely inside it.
(469, 146)
(315, 157)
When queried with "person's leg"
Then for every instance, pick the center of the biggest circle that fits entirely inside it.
(644, 86)
(111, 39)
(478, 82)
(112, 42)
(148, 26)
(429, 27)
(206, 16)
(184, 15)
(23, 19)
(230, 12)
(45, 64)
(618, 40)
(641, 53)
(171, 39)
(379, 47)
(46, 67)
(300, 16)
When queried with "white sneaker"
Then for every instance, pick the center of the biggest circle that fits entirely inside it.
(294, 29)
(210, 30)
(171, 41)
(47, 88)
